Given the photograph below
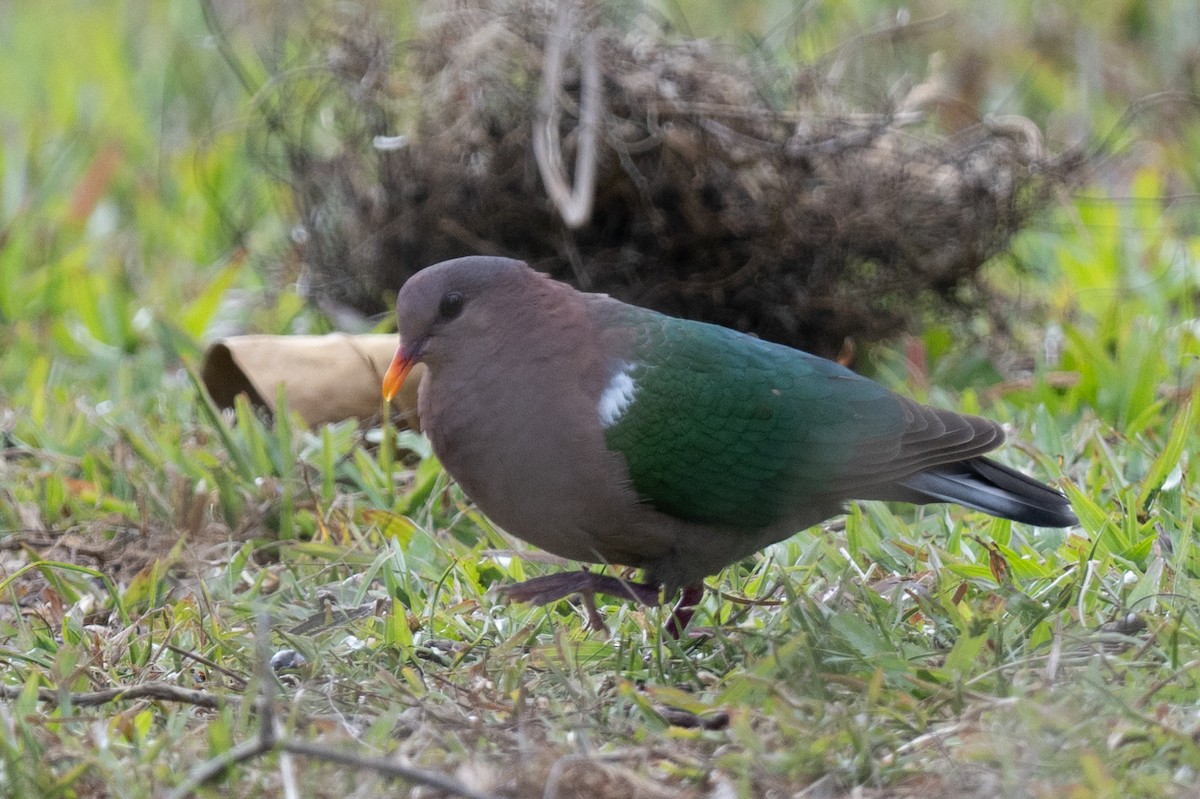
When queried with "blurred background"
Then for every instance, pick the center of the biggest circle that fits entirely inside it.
(172, 171)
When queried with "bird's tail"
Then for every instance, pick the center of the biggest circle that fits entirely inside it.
(985, 485)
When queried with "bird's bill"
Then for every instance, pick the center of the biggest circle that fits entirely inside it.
(402, 364)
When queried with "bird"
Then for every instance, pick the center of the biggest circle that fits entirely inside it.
(607, 433)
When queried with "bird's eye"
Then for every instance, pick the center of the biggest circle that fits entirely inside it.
(451, 305)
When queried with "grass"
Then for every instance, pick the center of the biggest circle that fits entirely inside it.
(907, 652)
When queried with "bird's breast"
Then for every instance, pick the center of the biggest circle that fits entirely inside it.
(533, 458)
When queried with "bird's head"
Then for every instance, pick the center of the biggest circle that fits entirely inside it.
(445, 306)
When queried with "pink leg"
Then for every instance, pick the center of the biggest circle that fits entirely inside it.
(685, 609)
(553, 587)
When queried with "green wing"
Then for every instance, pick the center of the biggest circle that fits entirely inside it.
(727, 429)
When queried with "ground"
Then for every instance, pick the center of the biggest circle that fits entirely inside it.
(219, 603)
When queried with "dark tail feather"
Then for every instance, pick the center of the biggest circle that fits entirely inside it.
(985, 485)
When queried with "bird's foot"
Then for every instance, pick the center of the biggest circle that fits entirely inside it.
(684, 609)
(553, 587)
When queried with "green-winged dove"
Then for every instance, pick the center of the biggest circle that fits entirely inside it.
(608, 433)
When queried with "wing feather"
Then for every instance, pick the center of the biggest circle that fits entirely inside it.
(726, 429)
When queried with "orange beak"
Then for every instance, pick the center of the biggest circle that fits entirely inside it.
(402, 364)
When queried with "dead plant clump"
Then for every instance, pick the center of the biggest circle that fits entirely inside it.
(700, 186)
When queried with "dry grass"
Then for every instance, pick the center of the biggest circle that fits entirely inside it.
(703, 185)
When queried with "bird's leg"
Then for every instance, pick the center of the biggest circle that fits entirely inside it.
(595, 620)
(684, 609)
(552, 587)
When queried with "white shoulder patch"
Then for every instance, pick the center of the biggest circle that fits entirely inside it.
(617, 397)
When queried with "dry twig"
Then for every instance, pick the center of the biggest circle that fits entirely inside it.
(165, 692)
(573, 204)
(270, 740)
